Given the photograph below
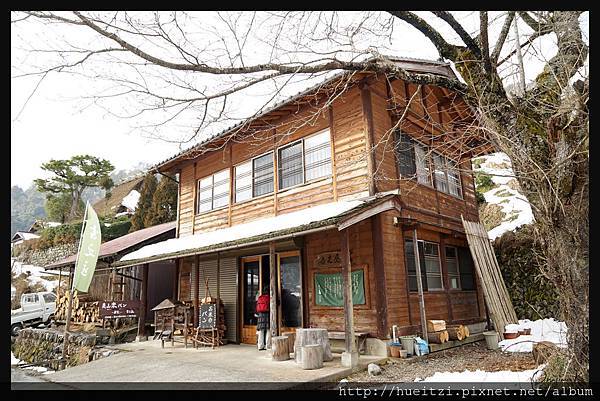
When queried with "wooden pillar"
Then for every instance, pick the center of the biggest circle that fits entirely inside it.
(347, 282)
(196, 284)
(59, 280)
(379, 270)
(143, 301)
(176, 280)
(420, 286)
(273, 292)
(365, 95)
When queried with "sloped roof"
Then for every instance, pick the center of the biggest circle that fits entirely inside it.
(121, 244)
(109, 206)
(409, 64)
(24, 235)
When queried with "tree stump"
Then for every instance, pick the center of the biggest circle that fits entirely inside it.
(280, 348)
(312, 356)
(437, 337)
(291, 336)
(312, 336)
(457, 332)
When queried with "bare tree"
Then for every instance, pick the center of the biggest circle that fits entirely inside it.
(165, 65)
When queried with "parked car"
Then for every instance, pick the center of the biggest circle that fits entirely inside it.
(36, 308)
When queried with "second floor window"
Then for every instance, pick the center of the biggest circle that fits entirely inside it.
(447, 176)
(213, 191)
(254, 178)
(305, 160)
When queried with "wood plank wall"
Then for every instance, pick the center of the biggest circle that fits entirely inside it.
(350, 169)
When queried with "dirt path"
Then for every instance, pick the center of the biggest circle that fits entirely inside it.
(468, 357)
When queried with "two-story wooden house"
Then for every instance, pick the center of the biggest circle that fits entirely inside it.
(328, 189)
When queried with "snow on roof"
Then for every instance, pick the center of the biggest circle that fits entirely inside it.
(248, 230)
(24, 235)
(131, 200)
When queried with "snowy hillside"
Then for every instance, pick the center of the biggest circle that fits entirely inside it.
(504, 193)
(36, 274)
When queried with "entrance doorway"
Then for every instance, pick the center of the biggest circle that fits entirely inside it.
(256, 280)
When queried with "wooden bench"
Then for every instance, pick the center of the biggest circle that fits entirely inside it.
(360, 338)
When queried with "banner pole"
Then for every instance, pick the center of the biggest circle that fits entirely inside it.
(72, 292)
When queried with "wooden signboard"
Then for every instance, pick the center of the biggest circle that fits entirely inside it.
(208, 316)
(328, 259)
(114, 309)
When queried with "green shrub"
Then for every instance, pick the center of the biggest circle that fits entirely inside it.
(533, 297)
(484, 182)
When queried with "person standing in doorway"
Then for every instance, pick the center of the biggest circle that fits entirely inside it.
(262, 326)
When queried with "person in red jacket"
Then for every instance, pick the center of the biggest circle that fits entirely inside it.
(262, 326)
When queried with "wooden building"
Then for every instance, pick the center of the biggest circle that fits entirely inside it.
(317, 200)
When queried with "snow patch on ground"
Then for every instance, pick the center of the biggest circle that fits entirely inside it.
(14, 360)
(131, 200)
(37, 274)
(541, 330)
(480, 376)
(517, 210)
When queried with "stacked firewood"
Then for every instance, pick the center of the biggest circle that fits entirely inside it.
(438, 332)
(82, 312)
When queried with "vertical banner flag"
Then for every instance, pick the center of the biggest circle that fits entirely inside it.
(89, 247)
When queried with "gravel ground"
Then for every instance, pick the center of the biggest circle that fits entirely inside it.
(468, 357)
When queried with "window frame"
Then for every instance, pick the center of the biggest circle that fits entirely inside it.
(304, 180)
(212, 192)
(424, 271)
(446, 170)
(448, 273)
(251, 161)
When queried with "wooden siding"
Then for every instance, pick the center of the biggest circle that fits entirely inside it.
(361, 255)
(349, 167)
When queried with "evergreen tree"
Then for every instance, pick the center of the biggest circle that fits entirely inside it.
(58, 207)
(146, 193)
(73, 176)
(164, 203)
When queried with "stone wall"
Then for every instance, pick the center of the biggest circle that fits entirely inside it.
(46, 256)
(44, 346)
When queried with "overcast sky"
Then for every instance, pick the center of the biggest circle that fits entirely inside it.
(54, 125)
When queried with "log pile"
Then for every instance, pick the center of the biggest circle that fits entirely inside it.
(44, 346)
(438, 332)
(82, 312)
(458, 332)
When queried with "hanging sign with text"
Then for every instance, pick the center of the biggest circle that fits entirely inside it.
(114, 309)
(328, 259)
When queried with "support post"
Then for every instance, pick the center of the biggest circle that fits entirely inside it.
(66, 334)
(272, 292)
(176, 280)
(349, 356)
(420, 286)
(379, 269)
(196, 284)
(143, 304)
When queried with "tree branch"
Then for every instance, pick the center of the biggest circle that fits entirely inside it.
(483, 41)
(444, 48)
(458, 28)
(502, 37)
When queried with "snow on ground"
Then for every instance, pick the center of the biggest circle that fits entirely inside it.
(480, 376)
(541, 330)
(131, 200)
(37, 274)
(14, 360)
(517, 210)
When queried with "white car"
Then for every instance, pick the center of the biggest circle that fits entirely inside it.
(36, 308)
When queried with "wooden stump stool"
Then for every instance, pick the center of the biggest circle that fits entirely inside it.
(312, 336)
(312, 356)
(280, 348)
(291, 336)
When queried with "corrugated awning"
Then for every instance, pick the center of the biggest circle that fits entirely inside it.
(337, 215)
(121, 244)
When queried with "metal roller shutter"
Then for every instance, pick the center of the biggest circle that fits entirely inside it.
(229, 294)
(208, 269)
